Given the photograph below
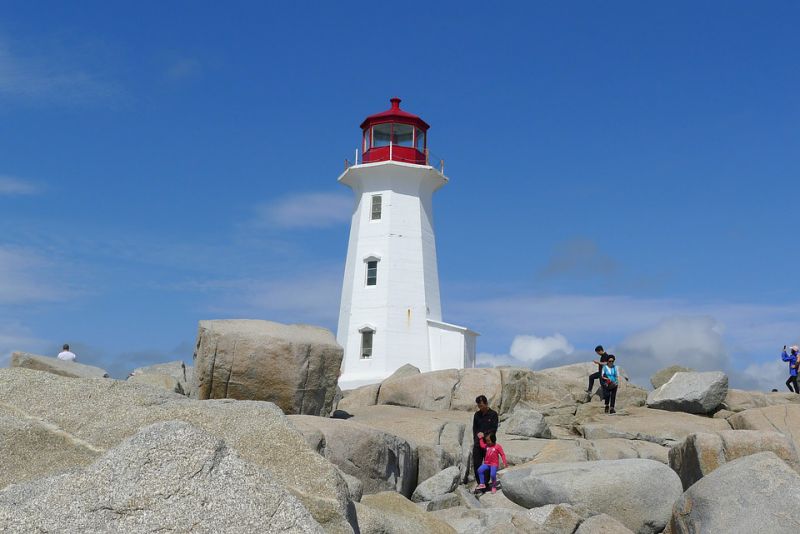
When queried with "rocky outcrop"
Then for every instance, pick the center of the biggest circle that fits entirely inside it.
(439, 484)
(31, 448)
(440, 439)
(781, 418)
(756, 493)
(738, 400)
(664, 375)
(602, 524)
(526, 422)
(657, 426)
(391, 513)
(294, 366)
(641, 499)
(381, 461)
(173, 376)
(566, 386)
(699, 393)
(700, 454)
(167, 477)
(103, 413)
(56, 366)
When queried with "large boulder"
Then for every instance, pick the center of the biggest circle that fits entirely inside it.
(97, 415)
(439, 484)
(756, 493)
(381, 461)
(173, 376)
(657, 426)
(167, 477)
(602, 524)
(780, 418)
(526, 422)
(391, 513)
(441, 438)
(638, 493)
(738, 400)
(699, 393)
(30, 449)
(55, 366)
(664, 375)
(294, 366)
(700, 454)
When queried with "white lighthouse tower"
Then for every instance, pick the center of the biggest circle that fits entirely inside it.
(391, 312)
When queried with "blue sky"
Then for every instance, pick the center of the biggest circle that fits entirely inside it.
(624, 173)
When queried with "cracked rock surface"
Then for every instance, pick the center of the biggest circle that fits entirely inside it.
(169, 477)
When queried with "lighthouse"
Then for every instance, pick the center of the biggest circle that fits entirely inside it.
(391, 312)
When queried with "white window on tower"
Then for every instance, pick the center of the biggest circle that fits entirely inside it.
(372, 272)
(376, 207)
(367, 336)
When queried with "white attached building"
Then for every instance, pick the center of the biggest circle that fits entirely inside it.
(391, 312)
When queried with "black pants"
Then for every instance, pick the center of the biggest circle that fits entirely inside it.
(611, 396)
(792, 380)
(592, 378)
(477, 459)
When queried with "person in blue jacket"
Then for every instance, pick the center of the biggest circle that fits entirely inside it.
(792, 359)
(610, 376)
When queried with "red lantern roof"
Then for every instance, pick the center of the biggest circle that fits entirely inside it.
(395, 135)
(395, 114)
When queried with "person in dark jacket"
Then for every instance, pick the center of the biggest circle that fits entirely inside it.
(484, 421)
(792, 359)
(602, 356)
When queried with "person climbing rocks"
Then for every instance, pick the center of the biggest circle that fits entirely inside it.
(610, 378)
(491, 461)
(603, 357)
(484, 422)
(792, 359)
(66, 355)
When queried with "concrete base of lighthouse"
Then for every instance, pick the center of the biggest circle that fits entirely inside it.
(450, 347)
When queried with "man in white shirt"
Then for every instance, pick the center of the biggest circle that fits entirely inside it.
(66, 355)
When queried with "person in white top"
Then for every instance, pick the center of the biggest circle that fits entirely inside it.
(66, 355)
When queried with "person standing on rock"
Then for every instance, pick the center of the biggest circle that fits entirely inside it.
(485, 421)
(66, 355)
(610, 378)
(603, 358)
(792, 359)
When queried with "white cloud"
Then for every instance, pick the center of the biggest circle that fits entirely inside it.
(44, 80)
(12, 186)
(306, 210)
(694, 342)
(26, 276)
(532, 349)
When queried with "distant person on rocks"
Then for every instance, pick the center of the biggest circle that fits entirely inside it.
(491, 461)
(484, 422)
(66, 355)
(792, 359)
(603, 357)
(610, 378)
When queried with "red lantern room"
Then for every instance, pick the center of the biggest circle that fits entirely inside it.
(395, 135)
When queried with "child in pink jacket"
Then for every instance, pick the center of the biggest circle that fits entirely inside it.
(491, 462)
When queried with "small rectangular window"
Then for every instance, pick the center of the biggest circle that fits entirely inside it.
(419, 139)
(372, 272)
(366, 344)
(376, 208)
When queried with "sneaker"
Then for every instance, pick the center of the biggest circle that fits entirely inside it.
(494, 490)
(606, 409)
(480, 486)
(613, 411)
